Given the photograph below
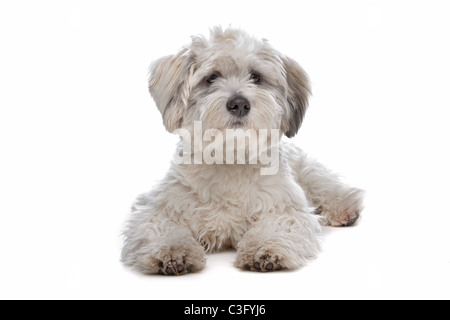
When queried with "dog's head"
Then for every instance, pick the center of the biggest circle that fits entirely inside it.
(232, 80)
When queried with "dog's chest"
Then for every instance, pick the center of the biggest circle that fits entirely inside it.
(227, 204)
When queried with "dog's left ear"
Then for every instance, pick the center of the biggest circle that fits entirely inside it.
(298, 93)
(169, 87)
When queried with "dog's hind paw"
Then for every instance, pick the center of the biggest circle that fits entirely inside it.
(343, 210)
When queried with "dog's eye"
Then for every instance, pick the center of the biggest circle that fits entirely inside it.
(256, 78)
(212, 77)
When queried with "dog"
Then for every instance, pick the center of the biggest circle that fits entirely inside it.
(234, 81)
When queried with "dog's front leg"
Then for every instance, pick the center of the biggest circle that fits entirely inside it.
(156, 245)
(279, 241)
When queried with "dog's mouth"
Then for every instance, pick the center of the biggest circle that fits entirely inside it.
(238, 122)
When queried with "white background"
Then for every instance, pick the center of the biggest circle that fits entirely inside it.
(80, 138)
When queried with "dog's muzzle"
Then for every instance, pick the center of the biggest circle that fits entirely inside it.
(238, 106)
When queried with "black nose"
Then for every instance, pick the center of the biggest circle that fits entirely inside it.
(238, 106)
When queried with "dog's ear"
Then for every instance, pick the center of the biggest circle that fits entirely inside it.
(169, 87)
(297, 96)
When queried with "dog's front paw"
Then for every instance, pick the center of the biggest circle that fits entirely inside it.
(168, 259)
(263, 263)
(343, 210)
(279, 242)
(180, 259)
(265, 258)
(175, 266)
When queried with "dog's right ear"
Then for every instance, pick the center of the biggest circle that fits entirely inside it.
(169, 87)
(299, 91)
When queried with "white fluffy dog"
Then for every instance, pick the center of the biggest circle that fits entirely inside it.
(234, 81)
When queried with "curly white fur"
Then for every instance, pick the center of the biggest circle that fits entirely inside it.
(272, 220)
